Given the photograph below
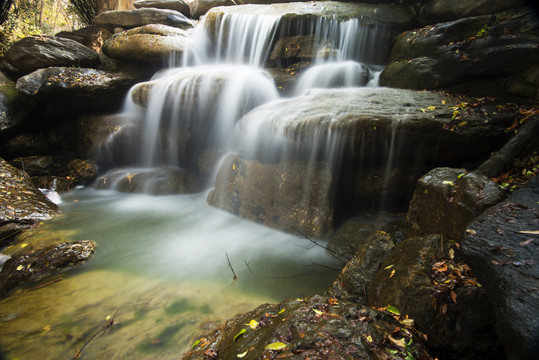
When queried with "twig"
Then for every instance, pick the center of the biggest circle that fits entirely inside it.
(324, 266)
(336, 254)
(231, 268)
(107, 325)
(248, 267)
(43, 285)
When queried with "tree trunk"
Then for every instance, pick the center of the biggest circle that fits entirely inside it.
(106, 5)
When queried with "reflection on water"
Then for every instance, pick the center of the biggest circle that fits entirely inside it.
(162, 263)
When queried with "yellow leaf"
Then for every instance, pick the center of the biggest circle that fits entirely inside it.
(24, 245)
(431, 108)
(275, 346)
(443, 102)
(233, 166)
(318, 312)
(242, 355)
(408, 322)
(422, 110)
(369, 338)
(392, 273)
(20, 267)
(447, 182)
(282, 311)
(253, 324)
(462, 123)
(451, 254)
(388, 267)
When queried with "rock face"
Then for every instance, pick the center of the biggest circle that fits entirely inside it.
(22, 204)
(129, 19)
(315, 327)
(502, 245)
(147, 44)
(78, 87)
(12, 112)
(37, 264)
(457, 329)
(465, 50)
(25, 144)
(446, 200)
(177, 5)
(36, 52)
(276, 195)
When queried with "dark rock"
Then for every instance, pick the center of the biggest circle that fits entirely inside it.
(25, 144)
(89, 36)
(156, 181)
(129, 19)
(178, 5)
(152, 43)
(94, 133)
(36, 52)
(297, 48)
(82, 171)
(55, 183)
(460, 329)
(356, 277)
(315, 328)
(282, 195)
(13, 108)
(78, 87)
(38, 264)
(501, 245)
(463, 50)
(446, 200)
(35, 165)
(22, 204)
(437, 11)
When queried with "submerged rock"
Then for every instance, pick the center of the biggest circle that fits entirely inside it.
(22, 204)
(152, 43)
(36, 52)
(293, 196)
(502, 246)
(315, 327)
(128, 19)
(446, 200)
(457, 315)
(37, 264)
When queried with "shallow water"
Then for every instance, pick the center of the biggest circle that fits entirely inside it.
(161, 262)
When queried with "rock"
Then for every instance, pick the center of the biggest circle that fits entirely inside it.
(35, 165)
(25, 144)
(82, 171)
(13, 108)
(56, 183)
(502, 249)
(356, 277)
(286, 78)
(22, 204)
(78, 87)
(315, 327)
(457, 329)
(197, 8)
(90, 36)
(437, 11)
(295, 48)
(276, 195)
(129, 19)
(36, 52)
(464, 50)
(38, 264)
(156, 181)
(94, 134)
(177, 5)
(446, 200)
(147, 44)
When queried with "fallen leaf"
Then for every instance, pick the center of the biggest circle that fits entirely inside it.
(399, 343)
(453, 296)
(253, 324)
(388, 267)
(276, 346)
(393, 310)
(333, 301)
(526, 242)
(530, 232)
(369, 338)
(408, 322)
(431, 108)
(392, 273)
(242, 331)
(242, 355)
(447, 182)
(318, 312)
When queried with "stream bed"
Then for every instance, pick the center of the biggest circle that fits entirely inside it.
(161, 270)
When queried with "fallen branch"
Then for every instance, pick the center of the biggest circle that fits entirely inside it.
(248, 267)
(43, 285)
(107, 325)
(335, 254)
(231, 268)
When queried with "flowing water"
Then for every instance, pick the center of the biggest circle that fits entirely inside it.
(162, 262)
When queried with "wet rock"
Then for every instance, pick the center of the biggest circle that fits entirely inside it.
(147, 44)
(78, 87)
(36, 52)
(356, 277)
(501, 245)
(315, 327)
(446, 200)
(13, 108)
(128, 19)
(22, 204)
(25, 144)
(35, 165)
(95, 132)
(438, 11)
(457, 329)
(155, 181)
(286, 78)
(297, 48)
(200, 7)
(59, 184)
(38, 264)
(464, 50)
(276, 195)
(89, 36)
(82, 171)
(178, 5)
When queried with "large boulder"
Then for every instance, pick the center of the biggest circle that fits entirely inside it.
(128, 19)
(437, 11)
(31, 266)
(277, 195)
(502, 246)
(22, 204)
(197, 8)
(447, 304)
(90, 36)
(36, 52)
(12, 106)
(315, 327)
(446, 200)
(94, 133)
(177, 5)
(78, 87)
(461, 51)
(25, 144)
(152, 43)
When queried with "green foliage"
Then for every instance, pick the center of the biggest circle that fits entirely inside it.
(86, 10)
(5, 5)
